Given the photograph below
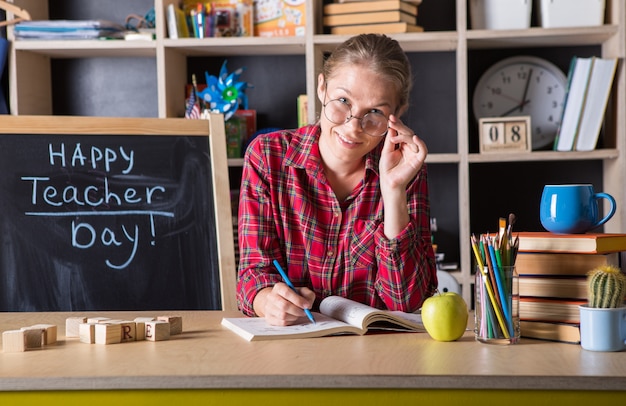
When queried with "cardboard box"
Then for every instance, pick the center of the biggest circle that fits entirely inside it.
(279, 18)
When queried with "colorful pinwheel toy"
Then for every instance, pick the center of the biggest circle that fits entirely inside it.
(225, 94)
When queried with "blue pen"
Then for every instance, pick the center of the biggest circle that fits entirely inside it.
(288, 282)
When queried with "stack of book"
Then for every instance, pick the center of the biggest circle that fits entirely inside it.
(552, 271)
(351, 17)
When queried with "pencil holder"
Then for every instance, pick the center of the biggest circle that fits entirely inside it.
(497, 305)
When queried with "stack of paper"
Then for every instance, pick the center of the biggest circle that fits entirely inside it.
(68, 29)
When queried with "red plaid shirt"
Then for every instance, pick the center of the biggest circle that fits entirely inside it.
(289, 212)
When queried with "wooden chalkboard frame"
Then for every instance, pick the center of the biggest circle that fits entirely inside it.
(213, 128)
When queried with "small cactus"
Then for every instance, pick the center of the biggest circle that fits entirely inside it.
(607, 287)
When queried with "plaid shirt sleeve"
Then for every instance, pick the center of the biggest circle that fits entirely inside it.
(258, 240)
(406, 264)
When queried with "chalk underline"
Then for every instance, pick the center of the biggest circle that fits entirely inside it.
(101, 213)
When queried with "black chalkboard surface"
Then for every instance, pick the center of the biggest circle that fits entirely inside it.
(112, 214)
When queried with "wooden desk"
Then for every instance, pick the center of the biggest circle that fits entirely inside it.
(208, 362)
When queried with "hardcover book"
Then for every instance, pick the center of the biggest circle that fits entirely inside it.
(368, 6)
(561, 332)
(552, 310)
(382, 28)
(563, 264)
(368, 18)
(589, 243)
(561, 287)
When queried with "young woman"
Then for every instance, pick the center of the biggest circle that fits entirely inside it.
(342, 205)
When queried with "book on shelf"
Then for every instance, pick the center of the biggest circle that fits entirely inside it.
(337, 315)
(600, 83)
(551, 331)
(303, 116)
(369, 6)
(550, 310)
(382, 28)
(564, 287)
(176, 22)
(578, 79)
(368, 18)
(588, 243)
(562, 264)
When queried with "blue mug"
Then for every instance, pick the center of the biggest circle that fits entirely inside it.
(572, 209)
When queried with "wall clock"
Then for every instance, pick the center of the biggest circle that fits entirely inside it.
(523, 86)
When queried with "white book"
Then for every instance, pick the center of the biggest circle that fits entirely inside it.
(576, 92)
(600, 84)
(172, 28)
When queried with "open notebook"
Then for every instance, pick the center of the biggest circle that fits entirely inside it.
(337, 315)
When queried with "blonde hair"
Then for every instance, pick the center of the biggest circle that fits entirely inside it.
(379, 53)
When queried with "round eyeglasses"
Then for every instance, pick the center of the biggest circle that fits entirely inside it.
(338, 111)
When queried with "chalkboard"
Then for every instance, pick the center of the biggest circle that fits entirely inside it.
(114, 214)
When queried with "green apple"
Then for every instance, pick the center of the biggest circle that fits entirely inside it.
(445, 316)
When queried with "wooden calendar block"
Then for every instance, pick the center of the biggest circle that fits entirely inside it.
(157, 330)
(108, 333)
(176, 323)
(71, 326)
(22, 340)
(87, 333)
(144, 319)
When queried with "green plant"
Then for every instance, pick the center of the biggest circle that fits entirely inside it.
(607, 287)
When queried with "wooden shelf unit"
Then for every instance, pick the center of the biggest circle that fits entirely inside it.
(31, 92)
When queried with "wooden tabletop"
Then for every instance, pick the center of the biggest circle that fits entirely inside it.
(208, 356)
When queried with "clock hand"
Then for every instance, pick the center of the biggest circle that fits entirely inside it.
(520, 107)
(524, 101)
(506, 96)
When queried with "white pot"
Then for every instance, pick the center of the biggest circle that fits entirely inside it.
(500, 14)
(570, 13)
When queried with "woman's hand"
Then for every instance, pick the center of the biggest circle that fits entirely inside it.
(281, 306)
(402, 157)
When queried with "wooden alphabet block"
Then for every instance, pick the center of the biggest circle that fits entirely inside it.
(13, 341)
(71, 326)
(176, 323)
(22, 340)
(49, 332)
(87, 333)
(140, 330)
(98, 319)
(157, 330)
(128, 331)
(108, 333)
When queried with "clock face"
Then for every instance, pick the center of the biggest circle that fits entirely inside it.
(524, 86)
